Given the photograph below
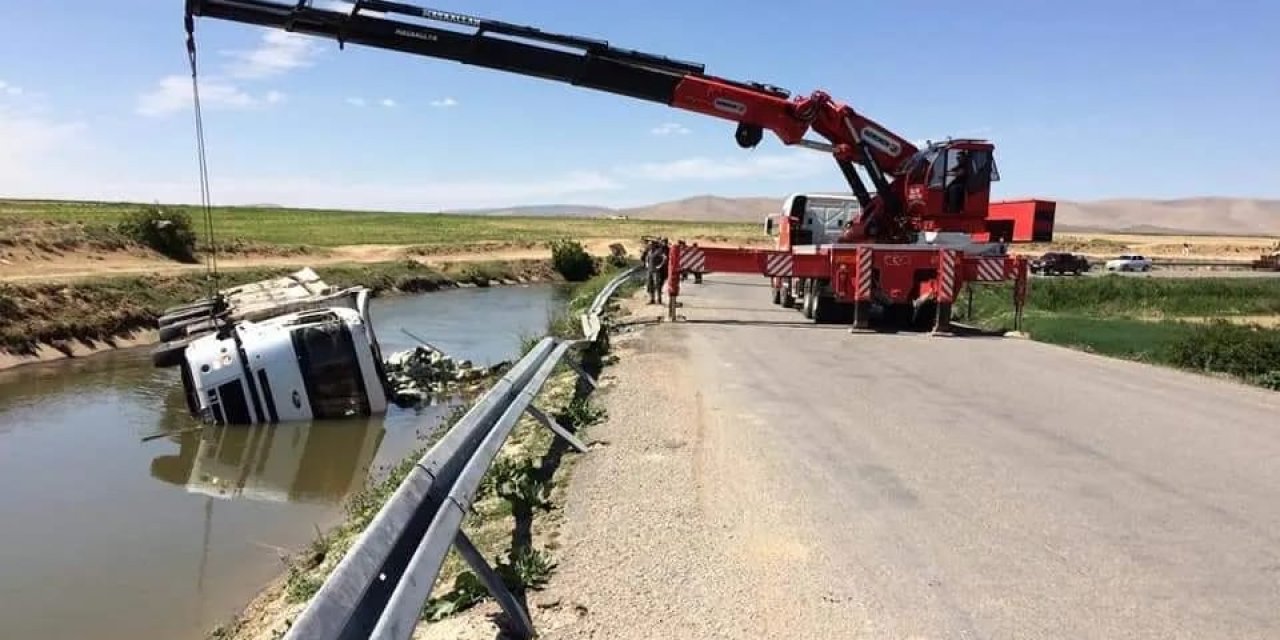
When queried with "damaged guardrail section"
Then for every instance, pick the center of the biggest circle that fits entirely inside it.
(591, 319)
(379, 587)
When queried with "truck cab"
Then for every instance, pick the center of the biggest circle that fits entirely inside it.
(312, 364)
(811, 219)
(807, 220)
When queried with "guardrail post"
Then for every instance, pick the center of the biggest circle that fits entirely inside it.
(556, 428)
(582, 373)
(521, 625)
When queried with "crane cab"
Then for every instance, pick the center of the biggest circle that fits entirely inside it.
(948, 185)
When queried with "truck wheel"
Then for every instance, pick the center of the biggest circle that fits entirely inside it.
(788, 299)
(827, 310)
(169, 354)
(179, 317)
(809, 303)
(203, 303)
(777, 295)
(924, 316)
(175, 331)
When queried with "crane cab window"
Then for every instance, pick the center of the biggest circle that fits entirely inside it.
(327, 356)
(975, 167)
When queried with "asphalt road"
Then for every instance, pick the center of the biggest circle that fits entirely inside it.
(907, 486)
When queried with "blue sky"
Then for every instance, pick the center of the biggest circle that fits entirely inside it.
(1083, 100)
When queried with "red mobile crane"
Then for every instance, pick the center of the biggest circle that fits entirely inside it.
(915, 240)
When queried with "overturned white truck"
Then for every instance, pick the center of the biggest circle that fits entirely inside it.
(284, 349)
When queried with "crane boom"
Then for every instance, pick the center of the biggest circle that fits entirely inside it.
(893, 210)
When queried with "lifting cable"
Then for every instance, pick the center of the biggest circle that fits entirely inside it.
(205, 200)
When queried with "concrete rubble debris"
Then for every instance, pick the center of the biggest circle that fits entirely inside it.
(419, 374)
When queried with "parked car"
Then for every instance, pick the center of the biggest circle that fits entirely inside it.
(1060, 263)
(1129, 262)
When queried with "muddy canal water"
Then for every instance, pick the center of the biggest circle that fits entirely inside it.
(105, 536)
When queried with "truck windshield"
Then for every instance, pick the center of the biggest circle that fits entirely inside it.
(330, 371)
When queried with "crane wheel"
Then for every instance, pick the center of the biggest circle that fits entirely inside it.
(777, 295)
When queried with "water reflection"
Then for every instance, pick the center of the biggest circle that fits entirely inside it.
(318, 462)
(107, 532)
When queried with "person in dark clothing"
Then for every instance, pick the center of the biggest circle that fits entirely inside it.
(655, 262)
(959, 183)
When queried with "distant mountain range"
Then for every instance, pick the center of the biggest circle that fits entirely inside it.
(1201, 216)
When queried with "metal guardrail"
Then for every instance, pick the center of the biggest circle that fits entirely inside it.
(379, 587)
(591, 319)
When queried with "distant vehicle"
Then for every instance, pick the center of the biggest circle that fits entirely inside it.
(1060, 263)
(1129, 262)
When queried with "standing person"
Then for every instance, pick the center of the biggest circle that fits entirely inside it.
(655, 263)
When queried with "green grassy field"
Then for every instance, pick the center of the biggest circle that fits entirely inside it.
(327, 228)
(1160, 321)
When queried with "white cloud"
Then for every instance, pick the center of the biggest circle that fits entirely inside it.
(387, 102)
(9, 89)
(669, 128)
(30, 145)
(426, 194)
(356, 102)
(173, 93)
(794, 164)
(277, 53)
(444, 103)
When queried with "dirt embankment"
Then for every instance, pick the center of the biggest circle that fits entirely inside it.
(41, 321)
(30, 261)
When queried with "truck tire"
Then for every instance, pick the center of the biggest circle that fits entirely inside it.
(777, 295)
(828, 311)
(176, 331)
(202, 303)
(788, 297)
(809, 303)
(169, 354)
(179, 317)
(924, 316)
(190, 328)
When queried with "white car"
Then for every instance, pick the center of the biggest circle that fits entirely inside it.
(1131, 262)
